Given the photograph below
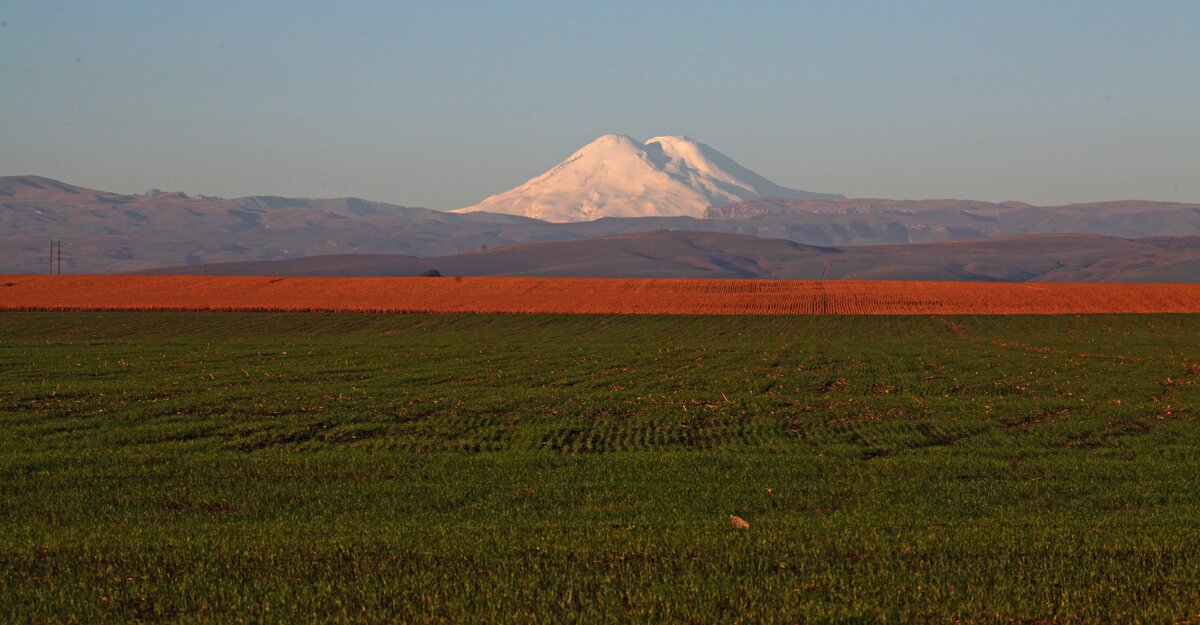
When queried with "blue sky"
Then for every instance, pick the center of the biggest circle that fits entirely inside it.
(439, 104)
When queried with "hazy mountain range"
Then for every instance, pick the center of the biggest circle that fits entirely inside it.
(701, 189)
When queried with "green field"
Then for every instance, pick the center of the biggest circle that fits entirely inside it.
(259, 467)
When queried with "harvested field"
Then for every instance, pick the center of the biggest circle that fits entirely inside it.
(583, 295)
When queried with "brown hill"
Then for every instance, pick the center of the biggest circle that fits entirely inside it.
(869, 221)
(674, 254)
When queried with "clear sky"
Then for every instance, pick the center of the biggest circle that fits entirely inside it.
(442, 103)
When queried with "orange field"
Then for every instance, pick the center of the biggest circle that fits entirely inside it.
(584, 295)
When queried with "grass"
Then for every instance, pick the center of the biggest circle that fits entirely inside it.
(257, 467)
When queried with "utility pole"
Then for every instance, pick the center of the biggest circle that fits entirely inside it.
(60, 257)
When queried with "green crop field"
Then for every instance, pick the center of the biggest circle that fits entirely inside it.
(290, 468)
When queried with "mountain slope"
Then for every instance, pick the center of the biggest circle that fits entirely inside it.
(617, 176)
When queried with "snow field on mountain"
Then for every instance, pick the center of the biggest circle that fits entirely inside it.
(618, 176)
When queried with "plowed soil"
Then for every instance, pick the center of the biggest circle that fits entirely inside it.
(581, 295)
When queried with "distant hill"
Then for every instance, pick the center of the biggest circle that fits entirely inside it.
(105, 232)
(111, 232)
(1057, 258)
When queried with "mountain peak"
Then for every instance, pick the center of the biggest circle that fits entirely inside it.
(613, 138)
(618, 176)
(671, 139)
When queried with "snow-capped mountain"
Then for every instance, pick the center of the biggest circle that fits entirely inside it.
(618, 176)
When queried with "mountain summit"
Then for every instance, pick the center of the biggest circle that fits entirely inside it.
(618, 176)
